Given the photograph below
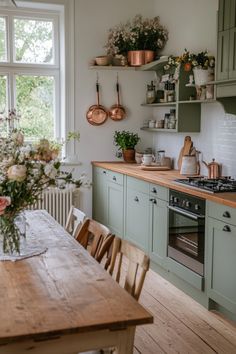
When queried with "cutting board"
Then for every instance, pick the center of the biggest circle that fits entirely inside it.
(185, 150)
(154, 167)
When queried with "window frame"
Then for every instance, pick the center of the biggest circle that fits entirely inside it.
(11, 69)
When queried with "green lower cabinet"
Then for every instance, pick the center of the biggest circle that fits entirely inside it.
(158, 231)
(221, 263)
(100, 181)
(137, 218)
(115, 208)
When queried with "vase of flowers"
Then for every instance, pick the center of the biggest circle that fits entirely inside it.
(25, 171)
(139, 39)
(201, 64)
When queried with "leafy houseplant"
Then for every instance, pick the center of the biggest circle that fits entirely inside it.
(126, 141)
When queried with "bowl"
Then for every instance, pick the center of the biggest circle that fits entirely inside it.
(102, 60)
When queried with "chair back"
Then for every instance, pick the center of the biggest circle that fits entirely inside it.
(138, 265)
(96, 238)
(75, 220)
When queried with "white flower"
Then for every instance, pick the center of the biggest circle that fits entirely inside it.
(17, 173)
(50, 171)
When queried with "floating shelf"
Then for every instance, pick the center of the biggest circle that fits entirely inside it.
(111, 67)
(165, 104)
(159, 130)
(198, 101)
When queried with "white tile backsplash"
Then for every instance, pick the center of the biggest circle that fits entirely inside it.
(217, 139)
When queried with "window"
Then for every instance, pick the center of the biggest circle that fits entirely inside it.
(30, 71)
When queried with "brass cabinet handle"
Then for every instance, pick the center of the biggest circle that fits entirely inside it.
(114, 178)
(136, 199)
(104, 172)
(226, 214)
(154, 190)
(153, 200)
(226, 228)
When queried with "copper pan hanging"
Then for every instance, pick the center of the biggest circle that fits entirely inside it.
(97, 114)
(117, 111)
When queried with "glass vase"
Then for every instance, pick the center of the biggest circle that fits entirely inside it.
(12, 227)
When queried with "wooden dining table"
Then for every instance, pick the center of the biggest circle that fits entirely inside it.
(63, 301)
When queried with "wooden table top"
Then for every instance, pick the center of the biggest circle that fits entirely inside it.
(61, 291)
(166, 179)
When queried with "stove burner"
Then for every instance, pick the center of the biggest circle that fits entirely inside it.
(219, 185)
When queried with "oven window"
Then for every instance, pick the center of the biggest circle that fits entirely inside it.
(187, 235)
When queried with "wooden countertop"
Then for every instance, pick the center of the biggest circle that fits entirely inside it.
(166, 179)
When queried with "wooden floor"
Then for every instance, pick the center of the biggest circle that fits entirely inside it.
(181, 325)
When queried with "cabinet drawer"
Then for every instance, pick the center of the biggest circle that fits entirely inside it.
(116, 177)
(158, 191)
(137, 184)
(222, 212)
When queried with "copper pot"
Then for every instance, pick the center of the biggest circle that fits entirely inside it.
(117, 111)
(213, 169)
(129, 155)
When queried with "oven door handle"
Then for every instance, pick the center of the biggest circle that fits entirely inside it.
(186, 213)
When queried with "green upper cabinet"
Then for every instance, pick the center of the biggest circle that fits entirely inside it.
(224, 15)
(226, 52)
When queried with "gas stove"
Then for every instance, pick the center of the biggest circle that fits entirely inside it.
(219, 185)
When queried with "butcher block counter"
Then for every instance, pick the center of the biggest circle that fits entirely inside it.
(166, 179)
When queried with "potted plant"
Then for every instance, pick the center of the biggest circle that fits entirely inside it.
(126, 141)
(139, 39)
(202, 65)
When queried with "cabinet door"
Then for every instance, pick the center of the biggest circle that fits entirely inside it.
(115, 208)
(232, 53)
(233, 14)
(224, 15)
(158, 231)
(221, 263)
(100, 195)
(137, 218)
(223, 56)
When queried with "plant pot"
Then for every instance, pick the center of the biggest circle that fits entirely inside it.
(129, 155)
(148, 56)
(136, 57)
(200, 76)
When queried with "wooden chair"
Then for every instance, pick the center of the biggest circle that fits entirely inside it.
(138, 265)
(74, 220)
(97, 239)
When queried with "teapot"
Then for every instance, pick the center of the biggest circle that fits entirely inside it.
(213, 169)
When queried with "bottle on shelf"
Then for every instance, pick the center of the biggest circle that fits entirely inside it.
(151, 93)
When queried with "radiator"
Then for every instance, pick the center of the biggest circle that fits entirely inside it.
(58, 202)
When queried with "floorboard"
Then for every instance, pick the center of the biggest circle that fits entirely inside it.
(181, 325)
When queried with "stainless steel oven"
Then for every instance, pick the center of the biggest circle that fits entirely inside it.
(187, 230)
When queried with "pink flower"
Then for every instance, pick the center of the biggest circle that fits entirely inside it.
(4, 202)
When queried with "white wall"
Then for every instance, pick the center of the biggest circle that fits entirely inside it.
(192, 25)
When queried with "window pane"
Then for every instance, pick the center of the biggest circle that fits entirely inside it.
(3, 48)
(35, 102)
(3, 104)
(33, 40)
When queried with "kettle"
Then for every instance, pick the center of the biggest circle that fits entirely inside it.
(213, 169)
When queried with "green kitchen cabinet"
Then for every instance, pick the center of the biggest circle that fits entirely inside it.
(108, 199)
(158, 231)
(137, 213)
(115, 203)
(221, 264)
(100, 180)
(226, 49)
(221, 259)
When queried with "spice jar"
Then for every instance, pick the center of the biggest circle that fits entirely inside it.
(151, 93)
